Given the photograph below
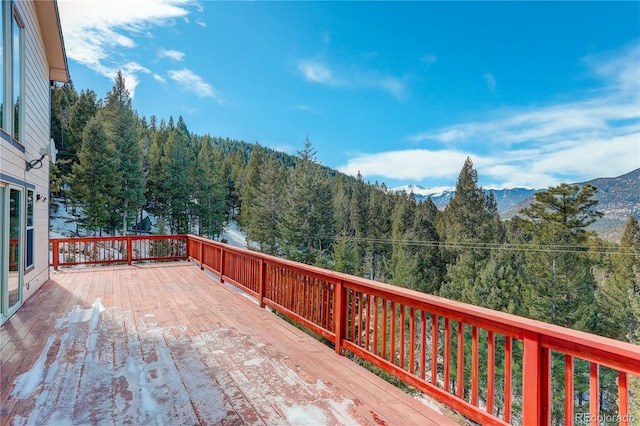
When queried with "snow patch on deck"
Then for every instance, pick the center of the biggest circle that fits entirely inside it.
(111, 365)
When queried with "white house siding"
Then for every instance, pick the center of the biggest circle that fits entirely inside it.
(36, 135)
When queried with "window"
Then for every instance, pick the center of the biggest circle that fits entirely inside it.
(2, 62)
(11, 71)
(17, 34)
(29, 241)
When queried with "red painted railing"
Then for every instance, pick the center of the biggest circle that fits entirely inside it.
(13, 254)
(493, 367)
(107, 250)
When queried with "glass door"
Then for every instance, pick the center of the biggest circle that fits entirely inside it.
(15, 247)
(11, 276)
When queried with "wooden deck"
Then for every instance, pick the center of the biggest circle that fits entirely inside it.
(169, 344)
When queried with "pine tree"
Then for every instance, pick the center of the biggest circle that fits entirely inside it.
(158, 176)
(178, 160)
(344, 253)
(402, 265)
(619, 297)
(558, 283)
(378, 231)
(63, 97)
(83, 110)
(341, 204)
(469, 223)
(208, 194)
(251, 180)
(307, 221)
(121, 126)
(263, 226)
(359, 223)
(430, 267)
(95, 181)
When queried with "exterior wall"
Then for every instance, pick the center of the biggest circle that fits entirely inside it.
(36, 135)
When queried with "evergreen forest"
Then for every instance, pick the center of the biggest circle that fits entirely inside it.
(543, 263)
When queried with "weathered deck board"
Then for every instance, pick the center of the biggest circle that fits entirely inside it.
(169, 344)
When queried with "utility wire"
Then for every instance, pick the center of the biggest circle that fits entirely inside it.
(542, 248)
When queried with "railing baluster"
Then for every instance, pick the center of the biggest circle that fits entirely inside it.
(447, 354)
(402, 336)
(384, 329)
(474, 365)
(392, 345)
(460, 362)
(367, 344)
(594, 388)
(545, 386)
(491, 366)
(412, 340)
(434, 349)
(531, 375)
(508, 348)
(423, 344)
(623, 395)
(568, 390)
(352, 310)
(339, 314)
(375, 324)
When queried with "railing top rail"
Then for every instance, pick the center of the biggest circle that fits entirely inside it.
(614, 353)
(119, 238)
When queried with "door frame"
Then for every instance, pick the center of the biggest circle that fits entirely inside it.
(5, 193)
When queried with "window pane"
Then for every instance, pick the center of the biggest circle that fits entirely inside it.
(15, 232)
(2, 50)
(29, 240)
(29, 208)
(17, 77)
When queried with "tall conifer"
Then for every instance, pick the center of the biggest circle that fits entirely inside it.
(307, 222)
(121, 129)
(559, 285)
(95, 178)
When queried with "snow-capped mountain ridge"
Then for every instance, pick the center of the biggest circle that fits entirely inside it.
(505, 198)
(421, 191)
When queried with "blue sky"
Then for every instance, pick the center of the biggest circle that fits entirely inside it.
(536, 93)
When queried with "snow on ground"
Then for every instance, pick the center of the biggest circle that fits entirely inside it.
(234, 235)
(63, 224)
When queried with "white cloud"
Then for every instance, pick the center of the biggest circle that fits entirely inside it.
(193, 83)
(491, 82)
(318, 72)
(159, 78)
(428, 58)
(95, 31)
(171, 54)
(539, 146)
(412, 164)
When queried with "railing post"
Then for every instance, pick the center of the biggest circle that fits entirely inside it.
(262, 281)
(56, 254)
(129, 247)
(222, 256)
(339, 314)
(532, 378)
(200, 255)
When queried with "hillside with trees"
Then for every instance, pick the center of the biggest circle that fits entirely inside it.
(542, 263)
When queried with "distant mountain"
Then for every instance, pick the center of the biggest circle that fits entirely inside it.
(618, 198)
(505, 198)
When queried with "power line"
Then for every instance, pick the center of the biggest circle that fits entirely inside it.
(542, 248)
